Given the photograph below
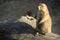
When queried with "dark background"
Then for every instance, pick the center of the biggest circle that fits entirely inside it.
(11, 10)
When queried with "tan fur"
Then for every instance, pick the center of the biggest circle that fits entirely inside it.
(27, 19)
(45, 23)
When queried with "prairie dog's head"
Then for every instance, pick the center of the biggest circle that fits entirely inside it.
(42, 7)
(29, 13)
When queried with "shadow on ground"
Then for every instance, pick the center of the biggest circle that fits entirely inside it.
(12, 30)
(22, 31)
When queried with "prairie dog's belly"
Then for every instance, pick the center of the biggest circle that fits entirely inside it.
(46, 26)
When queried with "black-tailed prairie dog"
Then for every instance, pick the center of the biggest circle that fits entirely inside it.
(28, 19)
(45, 21)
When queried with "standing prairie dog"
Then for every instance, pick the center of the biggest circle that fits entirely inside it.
(45, 22)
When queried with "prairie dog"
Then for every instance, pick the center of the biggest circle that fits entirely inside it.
(29, 19)
(45, 22)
